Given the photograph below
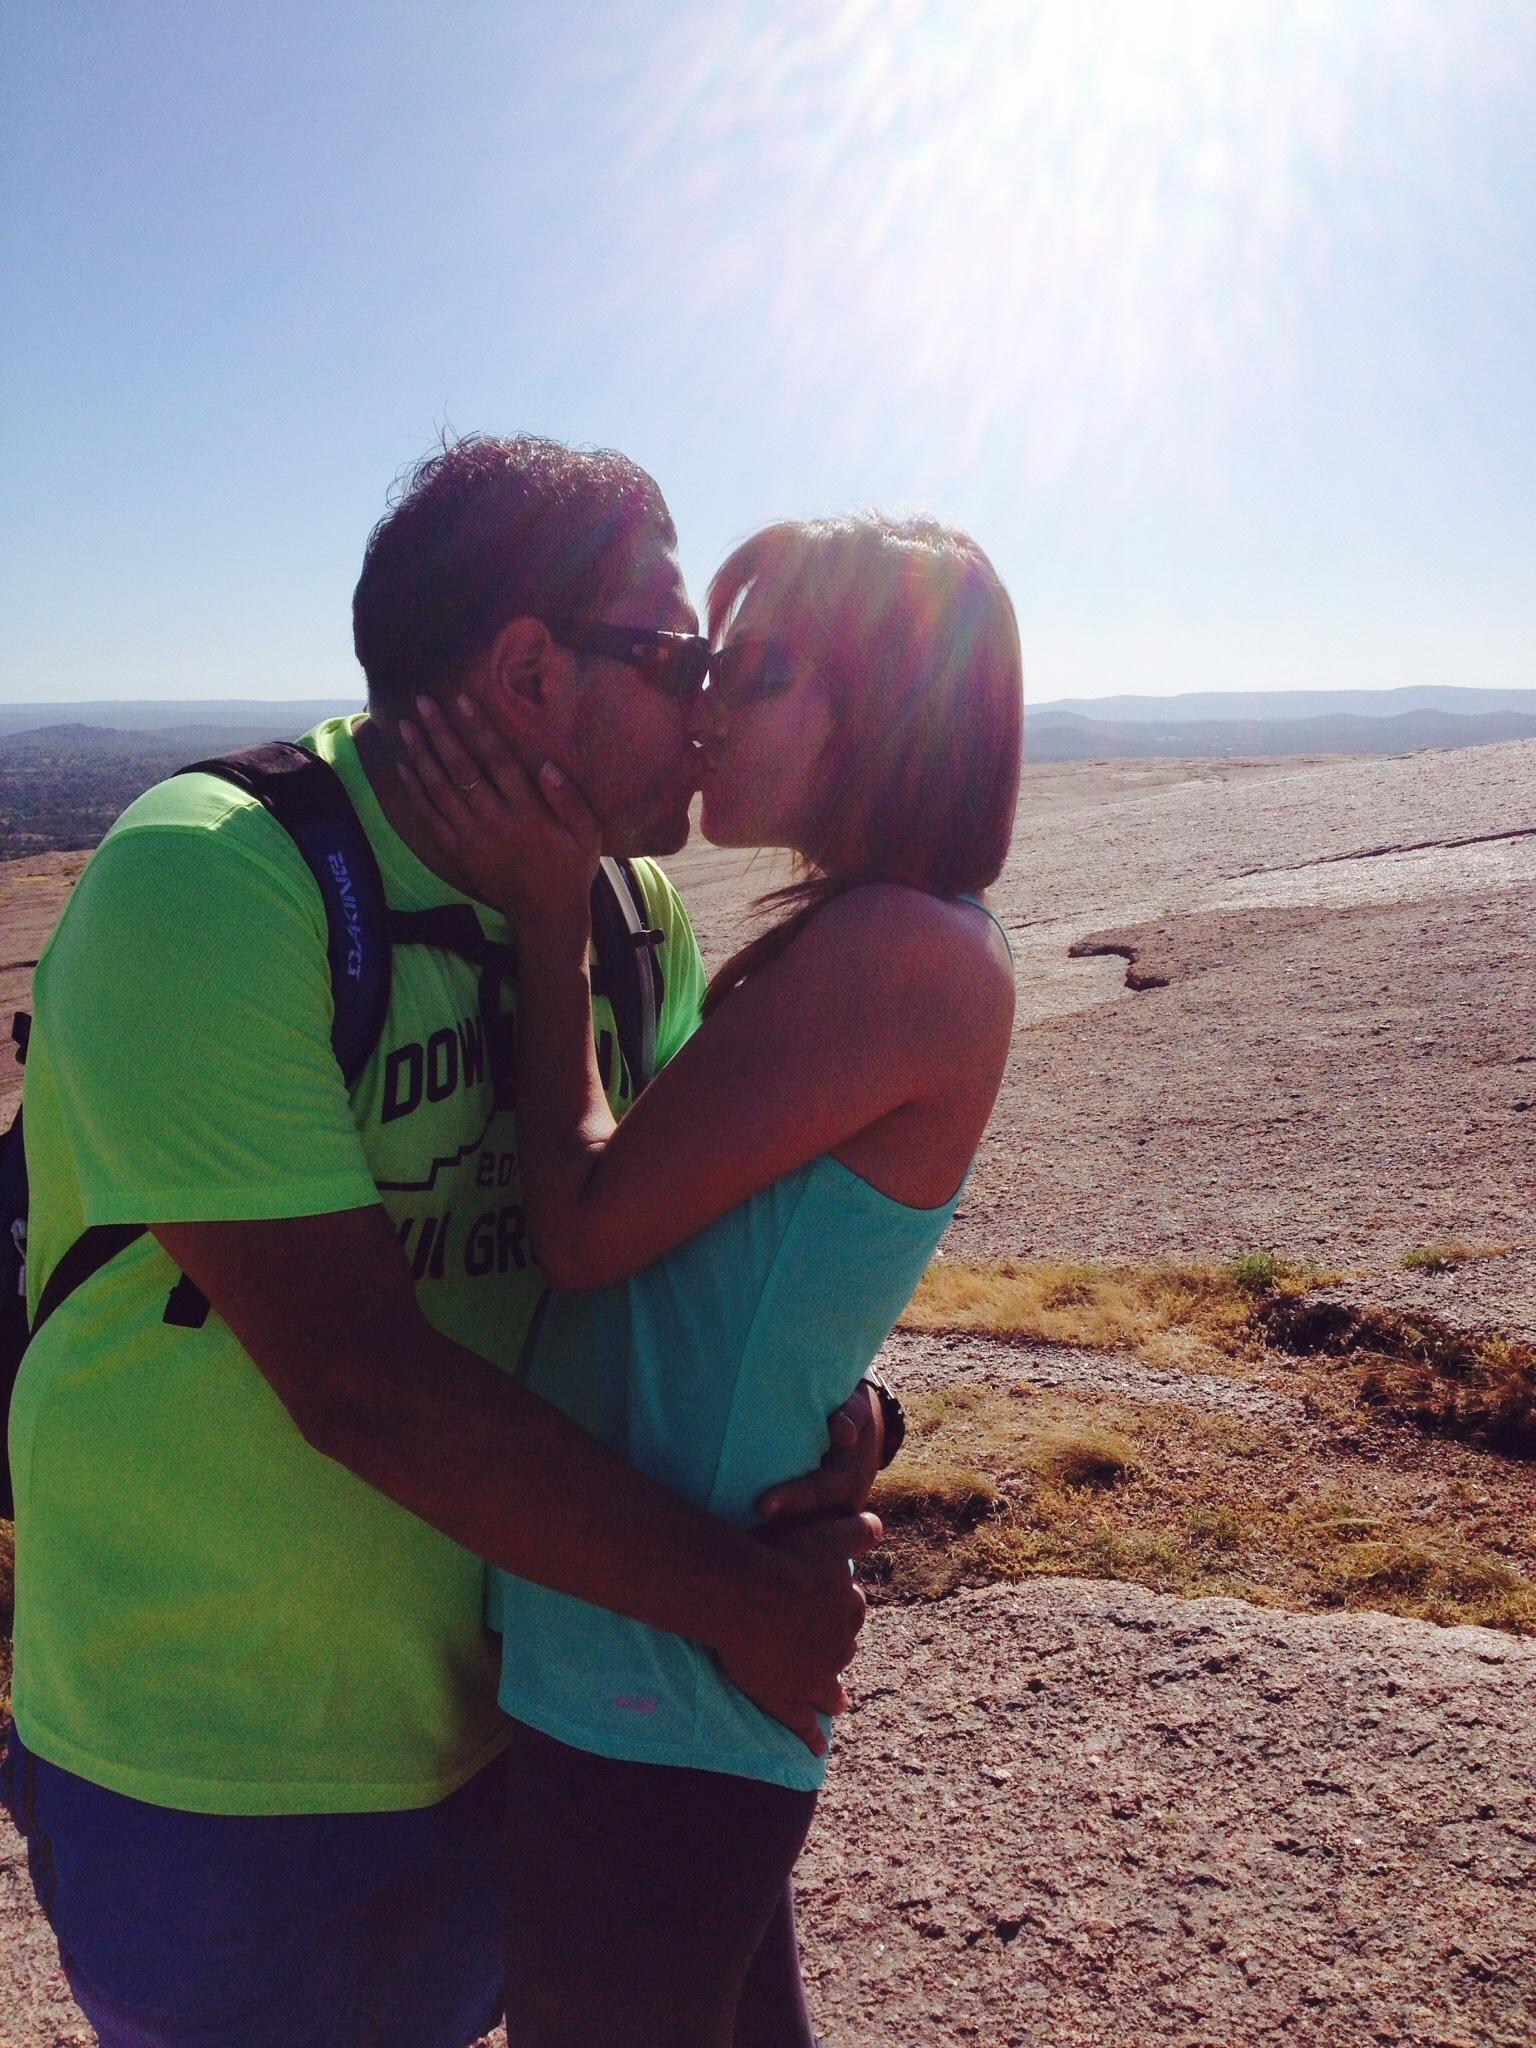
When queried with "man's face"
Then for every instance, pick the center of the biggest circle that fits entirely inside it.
(625, 743)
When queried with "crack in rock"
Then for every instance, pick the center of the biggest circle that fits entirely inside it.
(1382, 852)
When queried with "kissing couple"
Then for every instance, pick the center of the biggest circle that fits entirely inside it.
(429, 1624)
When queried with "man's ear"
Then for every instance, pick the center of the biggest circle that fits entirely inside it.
(516, 670)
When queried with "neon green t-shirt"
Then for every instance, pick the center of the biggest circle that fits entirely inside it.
(210, 1615)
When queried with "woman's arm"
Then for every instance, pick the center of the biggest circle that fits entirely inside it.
(879, 1003)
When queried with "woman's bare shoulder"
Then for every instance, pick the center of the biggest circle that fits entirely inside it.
(892, 914)
(910, 945)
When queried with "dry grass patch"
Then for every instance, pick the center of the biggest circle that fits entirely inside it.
(1180, 1315)
(1083, 1453)
(1446, 1258)
(1477, 1386)
(1002, 1486)
(1470, 1384)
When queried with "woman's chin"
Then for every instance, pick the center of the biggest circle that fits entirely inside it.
(716, 823)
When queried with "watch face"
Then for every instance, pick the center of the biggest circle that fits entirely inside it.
(892, 1417)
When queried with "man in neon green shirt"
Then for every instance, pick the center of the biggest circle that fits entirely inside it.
(251, 1666)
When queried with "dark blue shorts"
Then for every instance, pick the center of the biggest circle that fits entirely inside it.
(191, 1930)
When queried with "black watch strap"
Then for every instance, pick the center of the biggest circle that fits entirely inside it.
(892, 1414)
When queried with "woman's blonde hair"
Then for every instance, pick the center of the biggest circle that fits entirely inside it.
(916, 649)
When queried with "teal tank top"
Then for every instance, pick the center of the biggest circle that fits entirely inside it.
(714, 1370)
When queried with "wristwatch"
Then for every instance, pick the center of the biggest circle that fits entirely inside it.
(892, 1415)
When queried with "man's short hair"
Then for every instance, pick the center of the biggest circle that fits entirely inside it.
(485, 530)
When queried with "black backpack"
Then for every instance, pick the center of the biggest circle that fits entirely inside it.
(308, 799)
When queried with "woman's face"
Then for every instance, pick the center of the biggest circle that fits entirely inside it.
(758, 759)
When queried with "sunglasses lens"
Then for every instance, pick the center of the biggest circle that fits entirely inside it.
(679, 667)
(749, 670)
(695, 668)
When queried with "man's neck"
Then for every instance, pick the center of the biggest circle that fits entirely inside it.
(376, 751)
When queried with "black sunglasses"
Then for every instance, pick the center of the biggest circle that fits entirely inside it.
(745, 672)
(750, 671)
(676, 663)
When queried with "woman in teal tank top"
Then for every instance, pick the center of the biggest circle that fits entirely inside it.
(728, 1261)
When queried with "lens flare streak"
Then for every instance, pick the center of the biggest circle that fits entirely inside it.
(1046, 224)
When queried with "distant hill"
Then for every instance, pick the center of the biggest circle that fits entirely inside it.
(178, 743)
(252, 719)
(1201, 707)
(1052, 734)
(66, 771)
(256, 718)
(61, 786)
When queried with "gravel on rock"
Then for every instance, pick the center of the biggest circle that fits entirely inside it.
(924, 1362)
(1071, 1814)
(1074, 1815)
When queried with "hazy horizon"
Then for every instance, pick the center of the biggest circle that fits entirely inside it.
(12, 695)
(1486, 698)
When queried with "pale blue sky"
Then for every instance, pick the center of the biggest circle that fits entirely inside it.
(1214, 320)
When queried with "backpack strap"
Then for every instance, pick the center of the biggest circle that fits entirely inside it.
(13, 1201)
(628, 969)
(455, 928)
(91, 1250)
(13, 1272)
(309, 800)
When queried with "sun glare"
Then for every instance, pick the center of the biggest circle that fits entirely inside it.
(993, 205)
